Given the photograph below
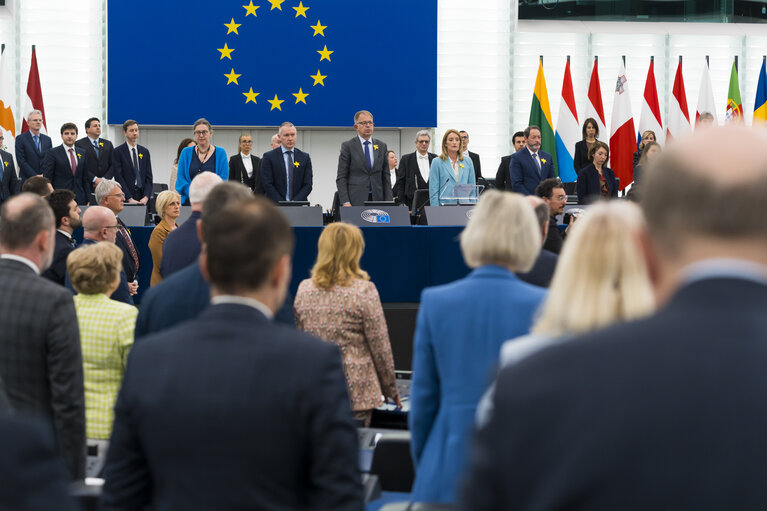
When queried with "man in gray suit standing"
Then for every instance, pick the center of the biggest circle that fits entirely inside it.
(40, 360)
(363, 167)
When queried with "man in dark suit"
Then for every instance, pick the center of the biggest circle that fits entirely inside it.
(663, 412)
(65, 166)
(284, 165)
(530, 166)
(31, 146)
(230, 410)
(245, 167)
(414, 168)
(503, 176)
(553, 194)
(67, 215)
(99, 151)
(132, 166)
(363, 166)
(40, 360)
(474, 156)
(110, 195)
(9, 184)
(546, 262)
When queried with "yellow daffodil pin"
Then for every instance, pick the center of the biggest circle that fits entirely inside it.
(543, 160)
(296, 164)
(141, 155)
(375, 146)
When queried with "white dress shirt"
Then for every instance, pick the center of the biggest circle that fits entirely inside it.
(423, 165)
(242, 300)
(248, 163)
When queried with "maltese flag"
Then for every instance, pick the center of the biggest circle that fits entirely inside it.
(678, 122)
(650, 119)
(623, 141)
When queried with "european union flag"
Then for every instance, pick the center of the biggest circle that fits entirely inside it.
(262, 62)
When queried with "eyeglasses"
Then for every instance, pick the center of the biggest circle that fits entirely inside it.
(464, 137)
(423, 141)
(121, 195)
(365, 123)
(246, 142)
(201, 133)
(560, 198)
(111, 227)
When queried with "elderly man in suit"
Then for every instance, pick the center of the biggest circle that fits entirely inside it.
(99, 151)
(65, 166)
(40, 360)
(132, 166)
(109, 194)
(9, 183)
(662, 412)
(414, 169)
(530, 166)
(363, 166)
(286, 172)
(207, 385)
(31, 146)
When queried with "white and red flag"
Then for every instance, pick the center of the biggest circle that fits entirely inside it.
(623, 141)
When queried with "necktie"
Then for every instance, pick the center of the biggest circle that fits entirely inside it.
(73, 161)
(290, 174)
(96, 147)
(537, 163)
(135, 165)
(72, 243)
(367, 155)
(129, 242)
(37, 143)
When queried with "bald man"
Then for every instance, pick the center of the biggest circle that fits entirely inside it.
(543, 270)
(665, 412)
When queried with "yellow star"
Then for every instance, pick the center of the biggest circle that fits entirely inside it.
(300, 96)
(232, 26)
(232, 77)
(227, 52)
(276, 4)
(319, 78)
(325, 53)
(318, 28)
(251, 96)
(251, 9)
(276, 102)
(301, 10)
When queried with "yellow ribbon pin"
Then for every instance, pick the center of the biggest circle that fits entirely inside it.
(375, 147)
(296, 164)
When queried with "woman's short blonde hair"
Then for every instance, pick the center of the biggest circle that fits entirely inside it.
(601, 277)
(164, 198)
(503, 230)
(94, 268)
(339, 250)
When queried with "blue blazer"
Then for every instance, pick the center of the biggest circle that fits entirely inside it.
(182, 174)
(442, 177)
(274, 177)
(524, 171)
(588, 186)
(122, 169)
(10, 183)
(27, 156)
(56, 167)
(459, 332)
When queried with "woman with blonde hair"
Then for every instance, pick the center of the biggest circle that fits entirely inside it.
(450, 169)
(647, 136)
(168, 205)
(340, 305)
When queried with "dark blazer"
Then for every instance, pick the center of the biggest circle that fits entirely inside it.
(40, 360)
(238, 173)
(29, 159)
(233, 411)
(353, 178)
(10, 183)
(57, 271)
(477, 166)
(56, 167)
(410, 177)
(274, 178)
(130, 265)
(121, 294)
(524, 171)
(98, 165)
(555, 238)
(33, 477)
(588, 186)
(503, 175)
(543, 269)
(122, 169)
(581, 158)
(182, 246)
(662, 413)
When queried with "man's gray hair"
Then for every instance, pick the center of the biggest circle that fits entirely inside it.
(38, 112)
(103, 189)
(201, 185)
(423, 133)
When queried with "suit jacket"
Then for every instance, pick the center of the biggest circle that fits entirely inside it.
(644, 415)
(57, 271)
(121, 294)
(56, 167)
(525, 176)
(181, 247)
(98, 165)
(261, 412)
(274, 177)
(40, 359)
(125, 174)
(503, 176)
(238, 173)
(442, 177)
(543, 269)
(30, 161)
(581, 157)
(410, 177)
(354, 180)
(588, 187)
(130, 265)
(477, 165)
(453, 357)
(9, 183)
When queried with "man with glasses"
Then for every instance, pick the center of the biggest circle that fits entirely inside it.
(414, 169)
(31, 146)
(363, 166)
(553, 194)
(9, 182)
(132, 166)
(110, 195)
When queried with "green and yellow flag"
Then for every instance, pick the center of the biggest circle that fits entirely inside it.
(540, 115)
(734, 111)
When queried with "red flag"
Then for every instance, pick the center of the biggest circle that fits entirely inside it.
(622, 141)
(594, 106)
(34, 100)
(678, 123)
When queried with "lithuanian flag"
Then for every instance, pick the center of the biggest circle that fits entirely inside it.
(760, 105)
(540, 115)
(734, 111)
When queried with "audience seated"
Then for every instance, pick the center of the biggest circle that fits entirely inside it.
(546, 262)
(169, 208)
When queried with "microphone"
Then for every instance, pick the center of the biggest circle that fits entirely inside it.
(442, 189)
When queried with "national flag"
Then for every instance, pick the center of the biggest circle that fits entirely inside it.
(594, 108)
(622, 141)
(540, 115)
(650, 119)
(734, 111)
(7, 120)
(568, 130)
(34, 99)
(678, 124)
(760, 104)
(706, 96)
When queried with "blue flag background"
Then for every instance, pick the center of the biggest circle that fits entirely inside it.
(169, 62)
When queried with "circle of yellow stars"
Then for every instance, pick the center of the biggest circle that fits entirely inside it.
(226, 53)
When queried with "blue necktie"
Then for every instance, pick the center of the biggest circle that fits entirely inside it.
(289, 174)
(37, 143)
(96, 147)
(367, 155)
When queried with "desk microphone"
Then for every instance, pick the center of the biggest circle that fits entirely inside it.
(442, 189)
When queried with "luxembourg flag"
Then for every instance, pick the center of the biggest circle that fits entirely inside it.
(678, 122)
(706, 97)
(650, 119)
(622, 141)
(594, 108)
(568, 130)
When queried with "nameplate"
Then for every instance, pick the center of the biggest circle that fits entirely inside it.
(448, 215)
(376, 216)
(302, 216)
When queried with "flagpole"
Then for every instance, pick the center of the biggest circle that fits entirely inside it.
(707, 62)
(736, 63)
(624, 60)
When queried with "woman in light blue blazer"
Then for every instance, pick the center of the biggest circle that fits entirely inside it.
(202, 157)
(459, 332)
(449, 169)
